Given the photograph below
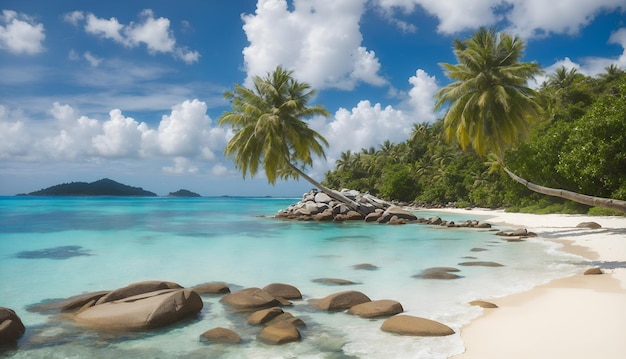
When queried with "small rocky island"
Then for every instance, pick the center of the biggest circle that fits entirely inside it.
(103, 187)
(183, 193)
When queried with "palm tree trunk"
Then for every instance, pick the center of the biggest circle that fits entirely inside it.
(614, 204)
(332, 194)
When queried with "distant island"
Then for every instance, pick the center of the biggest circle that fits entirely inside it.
(103, 187)
(183, 193)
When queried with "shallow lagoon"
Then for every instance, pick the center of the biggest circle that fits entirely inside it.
(60, 247)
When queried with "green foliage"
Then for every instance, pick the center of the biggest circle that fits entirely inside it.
(579, 146)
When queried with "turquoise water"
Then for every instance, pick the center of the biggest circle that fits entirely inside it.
(60, 247)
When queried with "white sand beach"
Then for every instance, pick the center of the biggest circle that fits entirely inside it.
(583, 316)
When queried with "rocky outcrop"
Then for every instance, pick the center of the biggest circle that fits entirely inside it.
(250, 299)
(286, 291)
(220, 335)
(342, 300)
(11, 327)
(377, 308)
(143, 311)
(319, 206)
(416, 326)
(82, 301)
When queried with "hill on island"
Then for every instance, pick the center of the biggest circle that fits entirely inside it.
(183, 193)
(103, 187)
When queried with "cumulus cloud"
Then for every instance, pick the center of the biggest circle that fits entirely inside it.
(184, 135)
(20, 34)
(152, 32)
(528, 18)
(320, 41)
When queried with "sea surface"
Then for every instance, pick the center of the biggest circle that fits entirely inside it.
(58, 247)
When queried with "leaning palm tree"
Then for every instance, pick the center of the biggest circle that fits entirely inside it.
(491, 107)
(270, 131)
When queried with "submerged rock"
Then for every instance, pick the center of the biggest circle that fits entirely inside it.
(481, 264)
(220, 335)
(334, 281)
(250, 298)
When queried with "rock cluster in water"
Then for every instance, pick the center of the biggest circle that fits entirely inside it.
(318, 206)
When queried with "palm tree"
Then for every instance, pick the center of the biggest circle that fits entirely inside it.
(490, 105)
(270, 131)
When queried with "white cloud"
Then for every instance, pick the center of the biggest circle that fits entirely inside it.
(319, 40)
(20, 34)
(154, 33)
(181, 165)
(93, 60)
(619, 37)
(184, 135)
(422, 96)
(527, 18)
(219, 170)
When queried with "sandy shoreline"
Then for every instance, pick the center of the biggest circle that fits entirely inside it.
(582, 316)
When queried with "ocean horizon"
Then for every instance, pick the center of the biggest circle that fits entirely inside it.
(59, 247)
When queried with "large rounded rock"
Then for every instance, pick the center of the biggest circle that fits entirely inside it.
(377, 308)
(279, 333)
(83, 300)
(250, 298)
(590, 225)
(286, 291)
(342, 300)
(416, 326)
(483, 304)
(137, 288)
(400, 213)
(220, 335)
(143, 311)
(11, 327)
(212, 288)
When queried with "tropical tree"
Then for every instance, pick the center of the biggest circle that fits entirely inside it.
(491, 107)
(270, 131)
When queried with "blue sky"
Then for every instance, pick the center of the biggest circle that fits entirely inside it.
(131, 90)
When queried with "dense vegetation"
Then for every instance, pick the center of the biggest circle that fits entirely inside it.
(579, 145)
(103, 187)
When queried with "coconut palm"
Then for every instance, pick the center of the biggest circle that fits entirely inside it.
(491, 106)
(270, 131)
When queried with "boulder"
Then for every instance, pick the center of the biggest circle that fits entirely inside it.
(481, 264)
(322, 197)
(342, 300)
(482, 225)
(478, 250)
(401, 213)
(520, 232)
(354, 216)
(212, 288)
(483, 304)
(395, 220)
(593, 271)
(143, 311)
(334, 281)
(377, 308)
(416, 326)
(374, 216)
(250, 298)
(137, 288)
(326, 215)
(435, 221)
(590, 225)
(264, 315)
(220, 335)
(11, 327)
(279, 333)
(83, 300)
(283, 290)
(437, 275)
